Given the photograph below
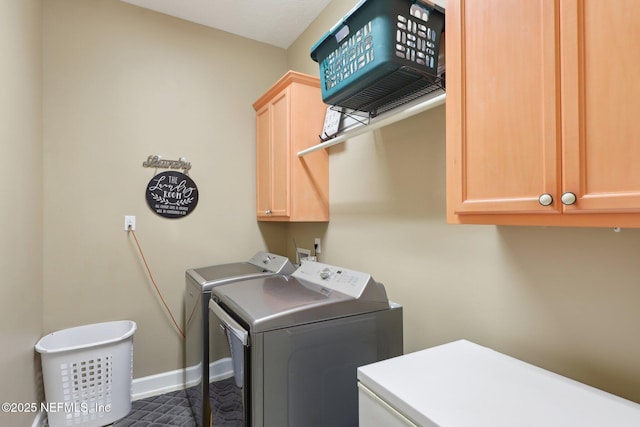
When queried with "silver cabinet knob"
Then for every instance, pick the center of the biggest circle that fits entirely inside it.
(545, 199)
(568, 198)
(267, 212)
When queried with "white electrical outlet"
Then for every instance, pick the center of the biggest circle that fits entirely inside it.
(316, 246)
(129, 222)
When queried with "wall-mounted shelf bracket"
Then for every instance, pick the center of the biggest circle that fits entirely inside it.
(400, 113)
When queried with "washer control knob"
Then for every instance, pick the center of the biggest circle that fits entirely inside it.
(265, 260)
(568, 198)
(325, 274)
(545, 199)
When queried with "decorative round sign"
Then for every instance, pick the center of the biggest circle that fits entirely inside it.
(172, 194)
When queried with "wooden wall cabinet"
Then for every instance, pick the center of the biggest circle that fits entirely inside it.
(289, 118)
(543, 112)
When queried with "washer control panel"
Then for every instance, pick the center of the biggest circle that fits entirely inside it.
(349, 282)
(269, 262)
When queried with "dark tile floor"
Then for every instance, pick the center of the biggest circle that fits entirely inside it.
(174, 410)
(166, 410)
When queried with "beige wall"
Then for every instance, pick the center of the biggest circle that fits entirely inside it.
(122, 83)
(21, 200)
(564, 299)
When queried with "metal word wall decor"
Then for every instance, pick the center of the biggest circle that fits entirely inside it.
(159, 162)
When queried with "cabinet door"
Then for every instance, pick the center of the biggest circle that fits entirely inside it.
(601, 104)
(280, 147)
(272, 158)
(503, 149)
(263, 161)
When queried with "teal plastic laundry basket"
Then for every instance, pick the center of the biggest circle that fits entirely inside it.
(381, 54)
(87, 373)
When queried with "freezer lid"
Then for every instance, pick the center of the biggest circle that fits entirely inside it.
(431, 386)
(313, 293)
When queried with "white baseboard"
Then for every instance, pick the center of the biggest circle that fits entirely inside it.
(165, 382)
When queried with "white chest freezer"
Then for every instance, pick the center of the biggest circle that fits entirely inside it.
(462, 384)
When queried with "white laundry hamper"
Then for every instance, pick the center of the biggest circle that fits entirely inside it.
(87, 373)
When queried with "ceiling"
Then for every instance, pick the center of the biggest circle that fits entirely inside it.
(275, 22)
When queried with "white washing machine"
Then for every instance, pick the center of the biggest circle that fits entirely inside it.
(296, 343)
(201, 363)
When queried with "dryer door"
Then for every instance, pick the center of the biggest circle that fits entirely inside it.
(228, 396)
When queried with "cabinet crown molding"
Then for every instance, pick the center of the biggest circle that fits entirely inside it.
(289, 78)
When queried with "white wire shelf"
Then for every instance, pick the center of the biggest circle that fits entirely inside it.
(407, 110)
